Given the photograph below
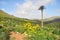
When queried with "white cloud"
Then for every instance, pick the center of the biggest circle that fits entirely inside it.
(29, 9)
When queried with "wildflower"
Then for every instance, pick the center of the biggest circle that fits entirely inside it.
(30, 27)
(27, 25)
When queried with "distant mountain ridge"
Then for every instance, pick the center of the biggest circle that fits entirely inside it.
(12, 21)
(49, 20)
(52, 19)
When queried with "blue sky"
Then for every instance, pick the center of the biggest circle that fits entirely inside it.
(29, 8)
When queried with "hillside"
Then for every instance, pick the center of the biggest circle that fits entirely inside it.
(6, 17)
(52, 19)
(4, 14)
(48, 20)
(9, 23)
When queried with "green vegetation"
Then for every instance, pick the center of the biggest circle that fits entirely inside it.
(50, 31)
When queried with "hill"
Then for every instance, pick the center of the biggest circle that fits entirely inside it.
(4, 14)
(52, 19)
(6, 17)
(10, 23)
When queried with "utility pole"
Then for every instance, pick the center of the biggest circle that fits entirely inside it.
(41, 8)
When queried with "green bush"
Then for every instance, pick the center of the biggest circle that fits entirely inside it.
(57, 32)
(41, 34)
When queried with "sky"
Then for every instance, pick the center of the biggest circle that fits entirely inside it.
(29, 8)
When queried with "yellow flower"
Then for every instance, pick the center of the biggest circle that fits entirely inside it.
(27, 25)
(32, 30)
(31, 27)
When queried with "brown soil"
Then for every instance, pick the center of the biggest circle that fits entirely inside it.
(18, 36)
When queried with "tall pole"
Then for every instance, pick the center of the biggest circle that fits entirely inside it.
(42, 18)
(41, 8)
